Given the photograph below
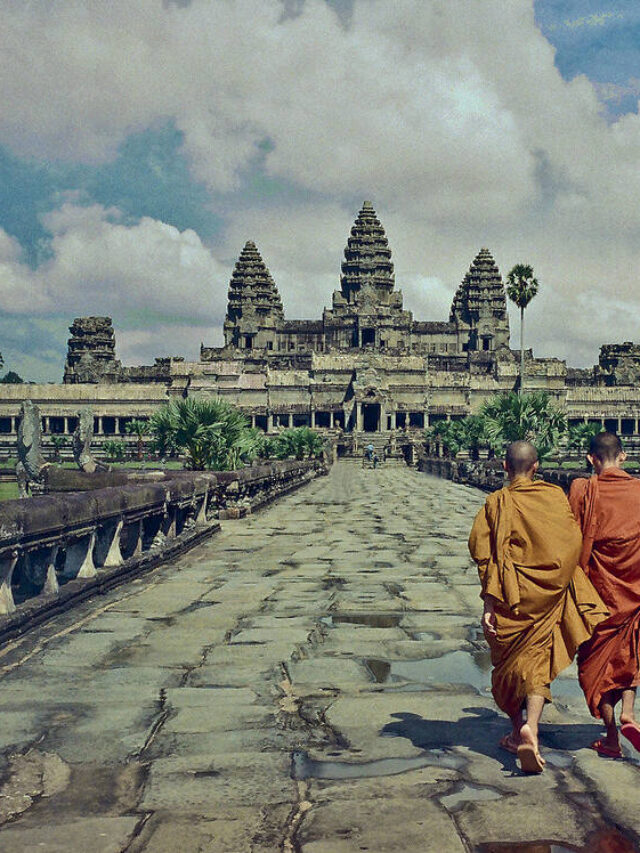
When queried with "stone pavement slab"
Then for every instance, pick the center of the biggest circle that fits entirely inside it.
(312, 679)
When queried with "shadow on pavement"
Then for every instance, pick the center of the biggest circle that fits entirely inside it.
(481, 732)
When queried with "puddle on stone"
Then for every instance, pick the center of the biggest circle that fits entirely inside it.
(468, 793)
(453, 668)
(379, 669)
(371, 620)
(603, 841)
(425, 636)
(303, 767)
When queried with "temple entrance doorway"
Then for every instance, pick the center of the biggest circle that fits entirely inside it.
(371, 417)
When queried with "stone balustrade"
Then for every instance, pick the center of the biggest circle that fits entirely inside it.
(488, 475)
(61, 547)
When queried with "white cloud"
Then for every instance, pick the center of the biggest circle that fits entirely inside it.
(103, 266)
(451, 116)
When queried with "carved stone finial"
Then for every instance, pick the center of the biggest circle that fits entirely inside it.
(31, 462)
(82, 438)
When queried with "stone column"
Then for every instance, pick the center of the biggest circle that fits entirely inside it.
(14, 424)
(393, 420)
(7, 565)
(313, 418)
(253, 421)
(100, 426)
(290, 421)
(116, 426)
(383, 420)
(45, 424)
(269, 423)
(65, 421)
(619, 426)
(331, 421)
(358, 417)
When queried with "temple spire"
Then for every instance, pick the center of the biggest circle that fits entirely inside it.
(480, 303)
(254, 304)
(367, 265)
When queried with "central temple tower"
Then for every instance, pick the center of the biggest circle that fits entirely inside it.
(367, 310)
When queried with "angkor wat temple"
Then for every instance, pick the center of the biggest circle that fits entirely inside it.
(366, 366)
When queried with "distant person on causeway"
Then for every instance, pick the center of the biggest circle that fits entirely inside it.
(607, 507)
(538, 603)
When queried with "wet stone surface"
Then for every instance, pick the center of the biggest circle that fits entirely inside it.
(312, 679)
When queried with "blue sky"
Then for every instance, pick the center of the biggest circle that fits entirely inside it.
(125, 179)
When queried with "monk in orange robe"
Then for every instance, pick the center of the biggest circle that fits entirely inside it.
(607, 507)
(538, 604)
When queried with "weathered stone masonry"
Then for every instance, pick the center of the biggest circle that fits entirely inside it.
(367, 366)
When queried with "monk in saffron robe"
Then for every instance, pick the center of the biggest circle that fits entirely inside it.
(607, 507)
(538, 603)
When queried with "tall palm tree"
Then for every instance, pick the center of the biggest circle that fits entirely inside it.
(521, 288)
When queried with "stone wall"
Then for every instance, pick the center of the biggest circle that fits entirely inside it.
(489, 475)
(61, 548)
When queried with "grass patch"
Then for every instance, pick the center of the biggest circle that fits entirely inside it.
(9, 492)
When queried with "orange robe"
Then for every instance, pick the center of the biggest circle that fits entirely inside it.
(527, 544)
(608, 510)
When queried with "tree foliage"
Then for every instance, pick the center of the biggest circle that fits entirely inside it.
(580, 435)
(299, 442)
(11, 378)
(522, 285)
(210, 433)
(139, 428)
(527, 417)
(503, 419)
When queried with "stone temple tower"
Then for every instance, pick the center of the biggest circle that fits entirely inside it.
(367, 269)
(479, 307)
(254, 309)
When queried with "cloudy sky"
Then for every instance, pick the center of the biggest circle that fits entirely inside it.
(142, 143)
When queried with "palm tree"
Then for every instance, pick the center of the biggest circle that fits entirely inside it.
(138, 428)
(450, 434)
(524, 417)
(210, 433)
(580, 435)
(58, 442)
(521, 288)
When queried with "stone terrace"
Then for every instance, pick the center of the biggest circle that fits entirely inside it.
(312, 680)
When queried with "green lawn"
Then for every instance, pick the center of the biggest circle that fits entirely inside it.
(9, 492)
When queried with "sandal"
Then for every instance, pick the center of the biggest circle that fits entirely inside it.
(509, 744)
(606, 751)
(632, 733)
(529, 758)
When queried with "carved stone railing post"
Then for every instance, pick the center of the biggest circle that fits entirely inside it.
(201, 517)
(79, 562)
(113, 557)
(139, 539)
(7, 565)
(51, 585)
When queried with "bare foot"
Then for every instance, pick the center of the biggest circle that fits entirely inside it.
(528, 737)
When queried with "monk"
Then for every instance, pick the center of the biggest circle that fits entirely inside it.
(538, 604)
(607, 507)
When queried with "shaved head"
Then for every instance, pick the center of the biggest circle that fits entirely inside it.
(520, 458)
(605, 446)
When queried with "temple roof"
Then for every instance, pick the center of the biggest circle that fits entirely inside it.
(481, 291)
(367, 258)
(252, 289)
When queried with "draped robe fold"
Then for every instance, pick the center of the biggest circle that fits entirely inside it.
(607, 508)
(526, 543)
